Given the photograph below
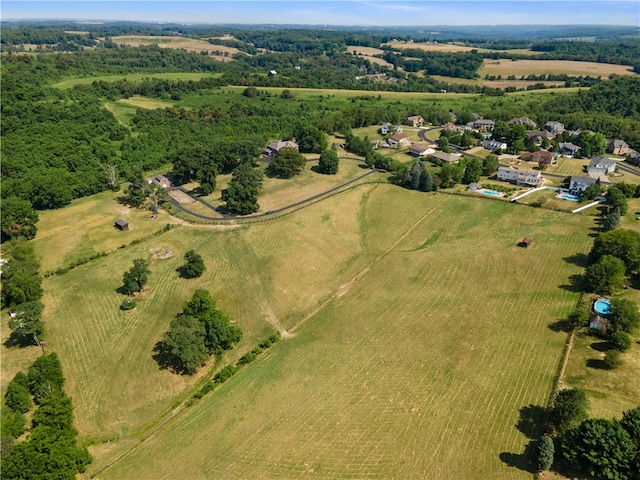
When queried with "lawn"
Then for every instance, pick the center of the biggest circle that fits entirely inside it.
(413, 322)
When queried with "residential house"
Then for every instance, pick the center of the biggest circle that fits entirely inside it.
(494, 145)
(160, 180)
(273, 73)
(633, 158)
(554, 127)
(414, 121)
(387, 127)
(568, 149)
(482, 124)
(274, 147)
(601, 165)
(541, 157)
(398, 140)
(449, 127)
(526, 121)
(520, 176)
(447, 157)
(617, 147)
(578, 184)
(539, 135)
(421, 149)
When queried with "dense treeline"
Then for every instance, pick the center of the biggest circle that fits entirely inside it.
(457, 64)
(50, 449)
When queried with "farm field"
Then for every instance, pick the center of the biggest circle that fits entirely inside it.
(397, 342)
(133, 77)
(518, 68)
(220, 52)
(450, 47)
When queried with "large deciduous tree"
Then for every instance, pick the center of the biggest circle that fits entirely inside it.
(137, 277)
(193, 265)
(601, 447)
(569, 409)
(605, 276)
(624, 315)
(27, 325)
(329, 162)
(287, 163)
(184, 344)
(309, 138)
(241, 195)
(621, 243)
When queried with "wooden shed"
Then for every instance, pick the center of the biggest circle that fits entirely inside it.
(525, 242)
(122, 224)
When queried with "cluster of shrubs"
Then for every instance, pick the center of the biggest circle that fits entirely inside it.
(230, 370)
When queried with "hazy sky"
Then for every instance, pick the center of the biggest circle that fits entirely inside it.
(362, 12)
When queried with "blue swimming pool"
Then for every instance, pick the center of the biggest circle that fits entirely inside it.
(602, 306)
(572, 198)
(493, 193)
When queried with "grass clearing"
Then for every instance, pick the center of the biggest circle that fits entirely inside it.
(220, 52)
(372, 375)
(133, 77)
(87, 227)
(506, 67)
(145, 102)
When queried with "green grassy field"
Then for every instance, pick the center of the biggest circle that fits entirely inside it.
(417, 331)
(133, 77)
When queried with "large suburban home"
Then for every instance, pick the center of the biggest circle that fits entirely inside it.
(414, 121)
(447, 157)
(526, 121)
(160, 180)
(540, 135)
(568, 149)
(520, 176)
(482, 124)
(554, 127)
(617, 147)
(274, 147)
(421, 149)
(601, 165)
(398, 139)
(449, 127)
(541, 157)
(633, 158)
(494, 145)
(578, 184)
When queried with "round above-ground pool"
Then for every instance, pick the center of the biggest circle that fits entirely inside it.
(602, 306)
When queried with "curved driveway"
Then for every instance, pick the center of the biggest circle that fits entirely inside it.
(227, 218)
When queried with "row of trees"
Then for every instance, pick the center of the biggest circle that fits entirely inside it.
(50, 450)
(606, 449)
(199, 331)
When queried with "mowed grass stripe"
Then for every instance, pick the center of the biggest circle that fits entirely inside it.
(458, 335)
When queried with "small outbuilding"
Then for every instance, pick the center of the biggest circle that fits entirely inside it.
(122, 224)
(525, 242)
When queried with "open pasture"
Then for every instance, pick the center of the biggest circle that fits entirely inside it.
(451, 48)
(417, 330)
(133, 77)
(188, 44)
(506, 67)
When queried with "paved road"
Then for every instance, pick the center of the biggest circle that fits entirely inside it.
(422, 134)
(225, 217)
(628, 169)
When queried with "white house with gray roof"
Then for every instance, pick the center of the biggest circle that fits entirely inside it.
(601, 165)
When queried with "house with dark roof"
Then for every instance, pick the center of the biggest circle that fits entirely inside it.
(601, 165)
(578, 184)
(539, 135)
(633, 158)
(482, 124)
(568, 149)
(122, 224)
(617, 147)
(274, 147)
